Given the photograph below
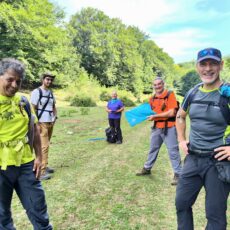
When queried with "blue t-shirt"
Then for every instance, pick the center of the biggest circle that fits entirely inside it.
(114, 105)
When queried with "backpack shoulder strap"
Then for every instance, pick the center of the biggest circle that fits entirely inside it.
(26, 106)
(224, 108)
(40, 95)
(192, 93)
(224, 103)
(30, 133)
(167, 96)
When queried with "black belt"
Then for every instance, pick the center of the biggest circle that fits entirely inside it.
(202, 153)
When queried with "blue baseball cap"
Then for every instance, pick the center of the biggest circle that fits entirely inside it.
(209, 53)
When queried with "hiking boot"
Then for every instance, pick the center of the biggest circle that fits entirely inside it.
(118, 142)
(144, 172)
(175, 179)
(45, 176)
(49, 170)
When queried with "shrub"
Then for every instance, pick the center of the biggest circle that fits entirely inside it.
(82, 101)
(105, 96)
(126, 101)
(84, 111)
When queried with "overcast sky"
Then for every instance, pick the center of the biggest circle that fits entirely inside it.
(180, 27)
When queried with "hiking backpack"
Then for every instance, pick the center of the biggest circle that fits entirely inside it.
(222, 104)
(111, 135)
(163, 107)
(44, 106)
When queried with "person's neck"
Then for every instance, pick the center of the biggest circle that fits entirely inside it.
(44, 87)
(212, 86)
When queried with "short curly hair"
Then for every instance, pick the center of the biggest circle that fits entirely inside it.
(12, 64)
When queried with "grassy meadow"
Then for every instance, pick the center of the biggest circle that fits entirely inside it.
(95, 187)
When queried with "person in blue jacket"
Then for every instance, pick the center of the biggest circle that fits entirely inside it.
(114, 108)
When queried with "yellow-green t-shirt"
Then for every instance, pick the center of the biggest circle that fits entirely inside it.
(14, 147)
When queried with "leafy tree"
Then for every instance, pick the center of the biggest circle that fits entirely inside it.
(115, 54)
(34, 32)
(188, 81)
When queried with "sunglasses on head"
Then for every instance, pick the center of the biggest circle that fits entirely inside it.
(211, 52)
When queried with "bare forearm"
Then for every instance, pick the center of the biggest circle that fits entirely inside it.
(37, 142)
(181, 128)
(120, 110)
(55, 111)
(170, 113)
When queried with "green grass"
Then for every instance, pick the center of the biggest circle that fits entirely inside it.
(95, 187)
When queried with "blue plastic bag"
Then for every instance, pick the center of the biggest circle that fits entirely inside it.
(138, 114)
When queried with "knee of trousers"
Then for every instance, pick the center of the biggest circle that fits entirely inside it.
(174, 154)
(216, 209)
(182, 204)
(37, 211)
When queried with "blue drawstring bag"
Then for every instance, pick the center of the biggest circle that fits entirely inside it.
(138, 114)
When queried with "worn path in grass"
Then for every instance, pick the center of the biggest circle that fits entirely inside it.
(95, 186)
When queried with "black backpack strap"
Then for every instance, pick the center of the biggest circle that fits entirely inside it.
(40, 95)
(223, 103)
(26, 106)
(193, 92)
(224, 108)
(44, 107)
(30, 133)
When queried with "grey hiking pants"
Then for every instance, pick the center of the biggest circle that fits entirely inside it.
(196, 173)
(156, 140)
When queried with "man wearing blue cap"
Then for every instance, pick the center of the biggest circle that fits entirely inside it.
(207, 146)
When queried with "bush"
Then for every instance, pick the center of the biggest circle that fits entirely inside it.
(127, 102)
(84, 111)
(82, 101)
(105, 96)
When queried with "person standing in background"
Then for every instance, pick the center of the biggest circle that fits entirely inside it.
(114, 109)
(165, 105)
(44, 104)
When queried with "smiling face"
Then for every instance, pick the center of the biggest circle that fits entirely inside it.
(47, 82)
(158, 86)
(209, 71)
(10, 83)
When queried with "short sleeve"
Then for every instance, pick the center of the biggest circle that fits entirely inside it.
(121, 104)
(34, 97)
(185, 103)
(172, 103)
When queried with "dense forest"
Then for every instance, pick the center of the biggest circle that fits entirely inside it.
(91, 46)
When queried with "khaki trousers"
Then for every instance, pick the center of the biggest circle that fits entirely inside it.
(46, 130)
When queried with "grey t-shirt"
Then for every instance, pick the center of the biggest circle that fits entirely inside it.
(207, 124)
(47, 115)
